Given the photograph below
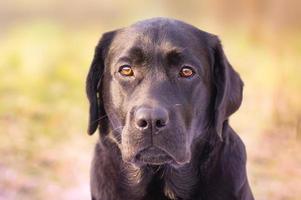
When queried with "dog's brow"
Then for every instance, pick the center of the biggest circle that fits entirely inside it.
(174, 56)
(134, 54)
(137, 54)
(124, 59)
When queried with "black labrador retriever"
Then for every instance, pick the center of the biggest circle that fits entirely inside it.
(161, 92)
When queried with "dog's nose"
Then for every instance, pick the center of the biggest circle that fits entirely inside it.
(151, 118)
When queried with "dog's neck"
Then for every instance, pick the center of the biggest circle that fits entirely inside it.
(173, 183)
(169, 181)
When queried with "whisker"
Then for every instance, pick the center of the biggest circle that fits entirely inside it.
(112, 139)
(117, 128)
(101, 117)
(163, 172)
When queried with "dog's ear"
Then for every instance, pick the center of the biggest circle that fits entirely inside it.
(228, 87)
(97, 113)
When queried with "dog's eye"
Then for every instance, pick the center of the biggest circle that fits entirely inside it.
(126, 70)
(186, 72)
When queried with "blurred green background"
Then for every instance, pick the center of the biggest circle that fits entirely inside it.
(45, 51)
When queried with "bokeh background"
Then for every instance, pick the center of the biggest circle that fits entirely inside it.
(45, 51)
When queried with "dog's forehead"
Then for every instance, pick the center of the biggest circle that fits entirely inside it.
(164, 34)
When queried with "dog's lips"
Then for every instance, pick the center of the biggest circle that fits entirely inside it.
(153, 156)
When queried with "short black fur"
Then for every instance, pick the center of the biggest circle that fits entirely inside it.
(202, 158)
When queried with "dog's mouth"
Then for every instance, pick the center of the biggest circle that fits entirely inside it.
(153, 156)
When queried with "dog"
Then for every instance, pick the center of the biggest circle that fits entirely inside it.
(161, 92)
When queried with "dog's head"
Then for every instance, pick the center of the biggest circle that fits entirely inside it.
(158, 85)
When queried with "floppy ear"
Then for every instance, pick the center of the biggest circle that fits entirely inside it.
(228, 88)
(94, 85)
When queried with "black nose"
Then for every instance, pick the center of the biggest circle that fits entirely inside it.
(151, 118)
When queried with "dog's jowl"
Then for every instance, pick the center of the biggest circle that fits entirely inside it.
(161, 92)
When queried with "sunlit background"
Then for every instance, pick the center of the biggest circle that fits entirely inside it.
(45, 51)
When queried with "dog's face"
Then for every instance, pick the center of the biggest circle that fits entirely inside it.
(159, 85)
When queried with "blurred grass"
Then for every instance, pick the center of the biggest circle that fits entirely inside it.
(43, 110)
(42, 107)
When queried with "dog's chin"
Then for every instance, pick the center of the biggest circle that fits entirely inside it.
(152, 156)
(155, 156)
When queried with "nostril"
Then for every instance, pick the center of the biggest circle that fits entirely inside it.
(142, 123)
(142, 118)
(151, 118)
(160, 123)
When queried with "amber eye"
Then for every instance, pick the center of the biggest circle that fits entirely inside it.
(186, 72)
(126, 70)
